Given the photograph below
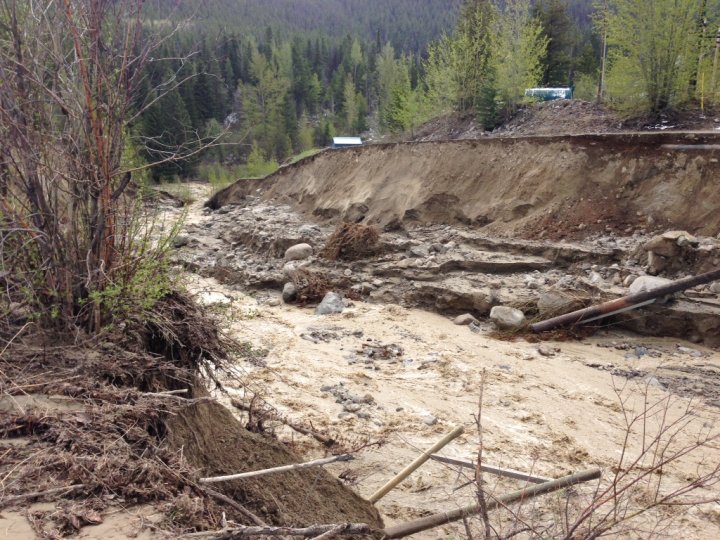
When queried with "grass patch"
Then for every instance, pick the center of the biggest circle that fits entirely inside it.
(303, 155)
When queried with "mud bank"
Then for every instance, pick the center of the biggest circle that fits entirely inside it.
(565, 186)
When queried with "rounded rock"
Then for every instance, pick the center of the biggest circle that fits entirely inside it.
(289, 293)
(507, 318)
(298, 252)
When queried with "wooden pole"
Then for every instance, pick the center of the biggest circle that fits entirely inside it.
(436, 520)
(274, 470)
(407, 471)
(490, 469)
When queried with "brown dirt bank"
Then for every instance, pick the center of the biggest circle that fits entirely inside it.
(520, 186)
(213, 441)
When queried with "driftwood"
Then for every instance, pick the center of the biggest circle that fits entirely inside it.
(307, 532)
(274, 470)
(436, 520)
(491, 469)
(422, 458)
(327, 441)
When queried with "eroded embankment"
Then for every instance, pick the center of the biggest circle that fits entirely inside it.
(559, 186)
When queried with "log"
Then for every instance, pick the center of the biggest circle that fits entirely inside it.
(436, 520)
(490, 469)
(625, 303)
(275, 470)
(422, 458)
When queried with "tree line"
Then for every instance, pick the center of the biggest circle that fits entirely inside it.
(273, 93)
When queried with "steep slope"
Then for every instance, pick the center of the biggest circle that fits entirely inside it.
(556, 186)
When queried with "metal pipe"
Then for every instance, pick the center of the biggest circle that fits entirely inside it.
(490, 469)
(613, 306)
(435, 520)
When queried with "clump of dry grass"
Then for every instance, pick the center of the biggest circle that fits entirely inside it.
(351, 241)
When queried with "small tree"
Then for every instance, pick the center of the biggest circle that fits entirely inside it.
(653, 53)
(517, 56)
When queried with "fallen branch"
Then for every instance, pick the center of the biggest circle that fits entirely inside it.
(332, 533)
(327, 441)
(422, 458)
(274, 470)
(307, 532)
(236, 505)
(32, 495)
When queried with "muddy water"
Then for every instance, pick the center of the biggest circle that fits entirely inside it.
(391, 381)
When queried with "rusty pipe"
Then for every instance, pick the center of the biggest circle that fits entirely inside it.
(626, 302)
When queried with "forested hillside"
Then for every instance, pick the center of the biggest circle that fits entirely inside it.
(407, 24)
(269, 79)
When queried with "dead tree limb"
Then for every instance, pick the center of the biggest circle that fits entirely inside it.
(327, 441)
(491, 469)
(35, 494)
(236, 505)
(479, 483)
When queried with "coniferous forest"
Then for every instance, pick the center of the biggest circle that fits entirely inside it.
(264, 80)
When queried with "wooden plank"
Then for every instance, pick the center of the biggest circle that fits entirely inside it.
(422, 458)
(275, 470)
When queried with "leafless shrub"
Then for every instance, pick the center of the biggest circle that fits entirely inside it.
(74, 245)
(668, 465)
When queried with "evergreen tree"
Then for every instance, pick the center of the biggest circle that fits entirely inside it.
(165, 131)
(561, 34)
(351, 106)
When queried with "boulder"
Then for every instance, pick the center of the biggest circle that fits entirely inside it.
(332, 303)
(309, 230)
(507, 318)
(669, 243)
(656, 263)
(647, 283)
(553, 303)
(298, 252)
(289, 293)
(423, 250)
(181, 240)
(465, 320)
